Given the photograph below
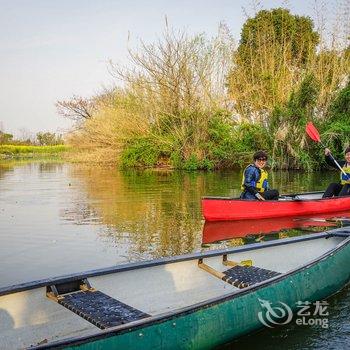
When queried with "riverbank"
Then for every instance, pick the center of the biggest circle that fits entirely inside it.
(23, 152)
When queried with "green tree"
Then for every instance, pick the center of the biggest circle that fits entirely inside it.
(287, 126)
(279, 26)
(49, 139)
(5, 138)
(274, 49)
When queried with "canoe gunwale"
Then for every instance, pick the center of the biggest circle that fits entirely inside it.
(118, 330)
(341, 232)
(276, 200)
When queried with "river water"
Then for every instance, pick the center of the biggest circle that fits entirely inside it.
(59, 218)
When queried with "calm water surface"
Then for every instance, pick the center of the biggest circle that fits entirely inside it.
(58, 218)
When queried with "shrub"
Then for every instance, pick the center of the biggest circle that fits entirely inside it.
(141, 152)
(336, 129)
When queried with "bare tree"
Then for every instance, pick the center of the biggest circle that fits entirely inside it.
(24, 135)
(77, 108)
(178, 72)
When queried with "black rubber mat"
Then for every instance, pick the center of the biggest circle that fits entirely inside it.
(100, 309)
(245, 276)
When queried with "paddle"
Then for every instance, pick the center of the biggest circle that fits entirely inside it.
(289, 197)
(315, 136)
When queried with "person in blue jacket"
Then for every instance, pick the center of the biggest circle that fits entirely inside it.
(341, 188)
(255, 185)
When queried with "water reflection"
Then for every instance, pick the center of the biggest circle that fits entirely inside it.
(263, 229)
(64, 218)
(297, 182)
(4, 169)
(159, 212)
(61, 218)
(50, 167)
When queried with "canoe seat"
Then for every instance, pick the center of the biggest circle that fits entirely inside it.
(245, 276)
(96, 307)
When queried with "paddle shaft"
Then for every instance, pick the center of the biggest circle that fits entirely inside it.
(315, 136)
(337, 164)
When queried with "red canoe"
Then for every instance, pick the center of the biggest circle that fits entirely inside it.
(225, 208)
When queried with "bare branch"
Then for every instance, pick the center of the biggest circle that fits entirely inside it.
(77, 108)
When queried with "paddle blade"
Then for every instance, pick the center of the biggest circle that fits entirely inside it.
(312, 132)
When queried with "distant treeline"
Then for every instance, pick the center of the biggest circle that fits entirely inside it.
(40, 139)
(196, 103)
(44, 144)
(22, 151)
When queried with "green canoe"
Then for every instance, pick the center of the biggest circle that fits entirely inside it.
(195, 301)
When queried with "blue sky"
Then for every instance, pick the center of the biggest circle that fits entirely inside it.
(51, 50)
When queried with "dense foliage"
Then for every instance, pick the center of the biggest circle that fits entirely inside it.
(336, 128)
(197, 103)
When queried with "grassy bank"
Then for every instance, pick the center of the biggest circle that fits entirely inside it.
(19, 151)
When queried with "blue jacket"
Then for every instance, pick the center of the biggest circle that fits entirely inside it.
(251, 177)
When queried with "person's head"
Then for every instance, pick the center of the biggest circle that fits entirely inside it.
(347, 155)
(260, 159)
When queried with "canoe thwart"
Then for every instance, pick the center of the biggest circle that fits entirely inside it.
(245, 276)
(209, 269)
(241, 275)
(227, 262)
(57, 291)
(94, 306)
